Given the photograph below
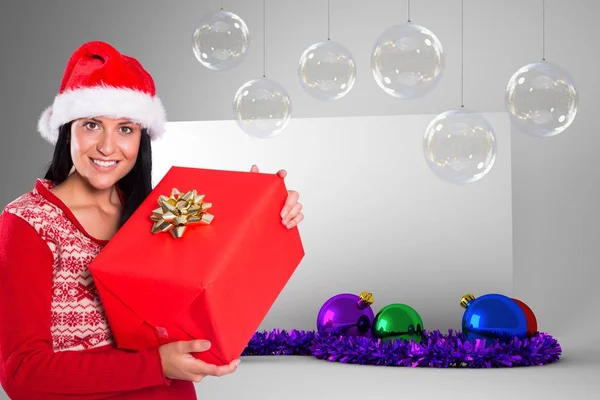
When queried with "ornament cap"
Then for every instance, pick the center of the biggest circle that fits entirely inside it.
(366, 299)
(466, 300)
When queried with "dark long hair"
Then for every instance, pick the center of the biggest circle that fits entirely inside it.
(134, 187)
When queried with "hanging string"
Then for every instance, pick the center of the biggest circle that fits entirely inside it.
(462, 56)
(543, 30)
(264, 39)
(221, 5)
(328, 20)
(408, 10)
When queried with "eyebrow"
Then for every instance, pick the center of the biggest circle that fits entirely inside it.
(120, 123)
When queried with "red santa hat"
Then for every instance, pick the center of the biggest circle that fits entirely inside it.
(101, 82)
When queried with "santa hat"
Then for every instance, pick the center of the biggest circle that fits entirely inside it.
(101, 82)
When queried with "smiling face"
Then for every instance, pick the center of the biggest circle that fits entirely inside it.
(104, 150)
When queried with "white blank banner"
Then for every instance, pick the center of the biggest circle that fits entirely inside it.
(376, 218)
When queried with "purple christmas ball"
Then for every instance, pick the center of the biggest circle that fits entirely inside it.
(348, 314)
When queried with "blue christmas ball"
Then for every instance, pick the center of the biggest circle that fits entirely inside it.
(492, 317)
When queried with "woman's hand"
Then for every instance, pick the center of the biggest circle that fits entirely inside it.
(179, 363)
(291, 214)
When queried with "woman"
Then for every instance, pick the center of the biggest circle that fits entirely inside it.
(55, 342)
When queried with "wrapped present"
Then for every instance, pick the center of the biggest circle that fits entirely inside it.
(204, 257)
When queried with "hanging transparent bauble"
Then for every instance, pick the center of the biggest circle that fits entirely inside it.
(262, 108)
(327, 71)
(221, 40)
(407, 61)
(541, 99)
(460, 146)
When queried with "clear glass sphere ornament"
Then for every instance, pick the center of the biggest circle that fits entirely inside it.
(460, 146)
(327, 71)
(262, 108)
(541, 99)
(221, 40)
(407, 61)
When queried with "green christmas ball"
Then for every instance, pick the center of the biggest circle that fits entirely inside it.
(398, 321)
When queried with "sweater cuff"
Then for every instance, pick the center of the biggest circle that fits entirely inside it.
(164, 380)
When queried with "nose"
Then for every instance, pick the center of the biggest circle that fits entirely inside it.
(107, 143)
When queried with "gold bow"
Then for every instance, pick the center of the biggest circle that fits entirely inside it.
(178, 211)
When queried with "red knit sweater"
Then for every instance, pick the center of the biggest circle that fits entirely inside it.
(55, 342)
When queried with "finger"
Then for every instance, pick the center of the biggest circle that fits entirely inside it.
(294, 222)
(195, 346)
(227, 369)
(199, 367)
(254, 168)
(291, 200)
(282, 173)
(293, 212)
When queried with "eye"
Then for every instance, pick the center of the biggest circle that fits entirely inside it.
(411, 328)
(126, 129)
(91, 126)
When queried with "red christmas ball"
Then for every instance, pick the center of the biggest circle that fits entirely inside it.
(530, 316)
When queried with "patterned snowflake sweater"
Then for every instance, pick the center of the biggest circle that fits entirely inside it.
(55, 342)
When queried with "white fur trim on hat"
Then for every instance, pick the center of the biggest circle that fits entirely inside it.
(103, 101)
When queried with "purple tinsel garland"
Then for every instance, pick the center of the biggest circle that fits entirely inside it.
(436, 350)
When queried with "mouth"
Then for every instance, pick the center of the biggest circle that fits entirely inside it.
(104, 165)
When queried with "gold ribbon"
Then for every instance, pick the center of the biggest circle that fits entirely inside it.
(178, 211)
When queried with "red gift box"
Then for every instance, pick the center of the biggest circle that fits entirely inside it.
(215, 282)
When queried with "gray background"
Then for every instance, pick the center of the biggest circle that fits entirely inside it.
(555, 183)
